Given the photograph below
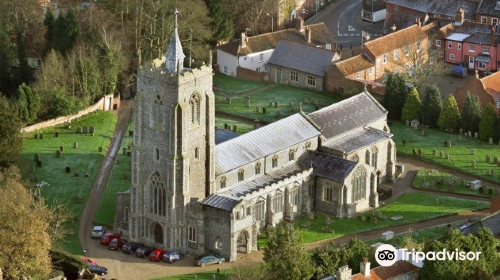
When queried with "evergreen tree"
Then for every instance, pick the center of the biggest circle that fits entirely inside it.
(66, 31)
(223, 21)
(432, 106)
(49, 23)
(10, 142)
(24, 69)
(471, 114)
(450, 116)
(395, 95)
(412, 106)
(285, 255)
(6, 61)
(497, 130)
(487, 124)
(28, 103)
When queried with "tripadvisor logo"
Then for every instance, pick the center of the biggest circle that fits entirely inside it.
(386, 255)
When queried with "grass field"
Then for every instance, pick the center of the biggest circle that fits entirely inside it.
(429, 179)
(413, 207)
(241, 127)
(119, 181)
(461, 156)
(199, 276)
(85, 160)
(262, 94)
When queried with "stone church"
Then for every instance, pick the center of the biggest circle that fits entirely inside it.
(199, 189)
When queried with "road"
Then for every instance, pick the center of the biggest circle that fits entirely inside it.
(343, 19)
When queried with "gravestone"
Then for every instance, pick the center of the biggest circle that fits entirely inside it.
(447, 156)
(257, 109)
(228, 100)
(488, 158)
(68, 169)
(225, 126)
(61, 148)
(85, 129)
(327, 220)
(441, 154)
(75, 145)
(256, 123)
(91, 129)
(39, 163)
(434, 152)
(422, 133)
(448, 143)
(124, 150)
(278, 114)
(476, 135)
(488, 172)
(36, 135)
(495, 160)
(41, 136)
(58, 154)
(300, 109)
(407, 122)
(247, 101)
(316, 108)
(37, 157)
(276, 104)
(100, 149)
(461, 131)
(79, 130)
(474, 164)
(264, 110)
(473, 152)
(235, 128)
(57, 133)
(76, 174)
(291, 104)
(419, 152)
(469, 133)
(414, 152)
(491, 141)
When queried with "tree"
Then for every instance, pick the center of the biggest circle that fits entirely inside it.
(497, 130)
(223, 21)
(450, 116)
(395, 95)
(248, 271)
(28, 103)
(471, 114)
(487, 124)
(6, 61)
(24, 69)
(432, 106)
(24, 238)
(412, 106)
(10, 140)
(285, 255)
(49, 22)
(66, 32)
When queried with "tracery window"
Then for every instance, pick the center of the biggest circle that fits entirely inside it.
(374, 157)
(359, 184)
(291, 155)
(241, 175)
(223, 182)
(275, 161)
(158, 111)
(191, 233)
(194, 108)
(294, 196)
(157, 195)
(257, 168)
(259, 211)
(278, 203)
(329, 194)
(367, 157)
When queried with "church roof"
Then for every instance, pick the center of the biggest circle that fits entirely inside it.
(221, 201)
(223, 135)
(302, 58)
(348, 114)
(358, 139)
(262, 142)
(174, 54)
(328, 166)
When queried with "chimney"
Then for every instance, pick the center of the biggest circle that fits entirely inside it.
(300, 25)
(393, 27)
(460, 16)
(365, 267)
(244, 40)
(476, 74)
(418, 22)
(344, 273)
(308, 34)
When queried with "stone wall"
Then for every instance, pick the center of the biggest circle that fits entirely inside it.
(122, 213)
(218, 228)
(302, 78)
(99, 105)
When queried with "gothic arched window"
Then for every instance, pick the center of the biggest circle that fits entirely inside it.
(291, 155)
(218, 243)
(374, 156)
(359, 184)
(157, 154)
(257, 168)
(191, 233)
(158, 111)
(223, 182)
(241, 175)
(194, 108)
(355, 158)
(367, 157)
(275, 161)
(157, 195)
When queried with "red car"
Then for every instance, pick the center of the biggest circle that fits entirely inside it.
(157, 255)
(107, 237)
(117, 244)
(89, 261)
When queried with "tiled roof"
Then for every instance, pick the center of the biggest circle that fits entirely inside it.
(491, 222)
(468, 28)
(348, 114)
(488, 7)
(328, 166)
(221, 201)
(387, 272)
(358, 139)
(492, 83)
(262, 142)
(482, 39)
(395, 40)
(447, 8)
(223, 135)
(320, 35)
(354, 64)
(301, 57)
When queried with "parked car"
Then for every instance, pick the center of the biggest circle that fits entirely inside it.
(100, 270)
(117, 244)
(459, 71)
(157, 255)
(88, 260)
(172, 256)
(208, 259)
(144, 251)
(131, 247)
(98, 231)
(108, 236)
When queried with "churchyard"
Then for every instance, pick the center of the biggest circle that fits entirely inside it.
(429, 179)
(408, 208)
(69, 157)
(265, 101)
(462, 153)
(199, 276)
(241, 127)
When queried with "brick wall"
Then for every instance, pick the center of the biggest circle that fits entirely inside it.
(250, 75)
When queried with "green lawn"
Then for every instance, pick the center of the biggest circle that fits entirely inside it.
(119, 181)
(445, 182)
(241, 127)
(199, 276)
(265, 94)
(413, 207)
(85, 160)
(461, 156)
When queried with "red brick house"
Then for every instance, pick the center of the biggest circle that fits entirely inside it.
(487, 89)
(488, 12)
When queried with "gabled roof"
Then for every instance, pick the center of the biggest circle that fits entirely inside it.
(442, 7)
(221, 201)
(489, 8)
(491, 84)
(491, 222)
(328, 166)
(344, 116)
(223, 135)
(358, 139)
(395, 40)
(301, 57)
(262, 142)
(481, 39)
(387, 272)
(354, 64)
(320, 35)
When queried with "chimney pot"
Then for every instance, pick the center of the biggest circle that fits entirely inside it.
(365, 267)
(244, 40)
(393, 27)
(308, 34)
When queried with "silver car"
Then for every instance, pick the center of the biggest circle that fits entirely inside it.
(98, 231)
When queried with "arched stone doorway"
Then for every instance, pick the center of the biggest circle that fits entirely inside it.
(242, 242)
(158, 233)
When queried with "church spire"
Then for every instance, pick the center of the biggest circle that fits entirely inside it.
(175, 56)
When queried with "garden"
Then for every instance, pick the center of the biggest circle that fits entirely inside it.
(63, 161)
(265, 101)
(462, 153)
(430, 179)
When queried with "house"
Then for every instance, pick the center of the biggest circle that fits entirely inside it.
(290, 10)
(300, 65)
(247, 57)
(488, 12)
(491, 222)
(399, 270)
(486, 88)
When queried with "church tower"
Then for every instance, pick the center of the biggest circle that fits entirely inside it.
(173, 156)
